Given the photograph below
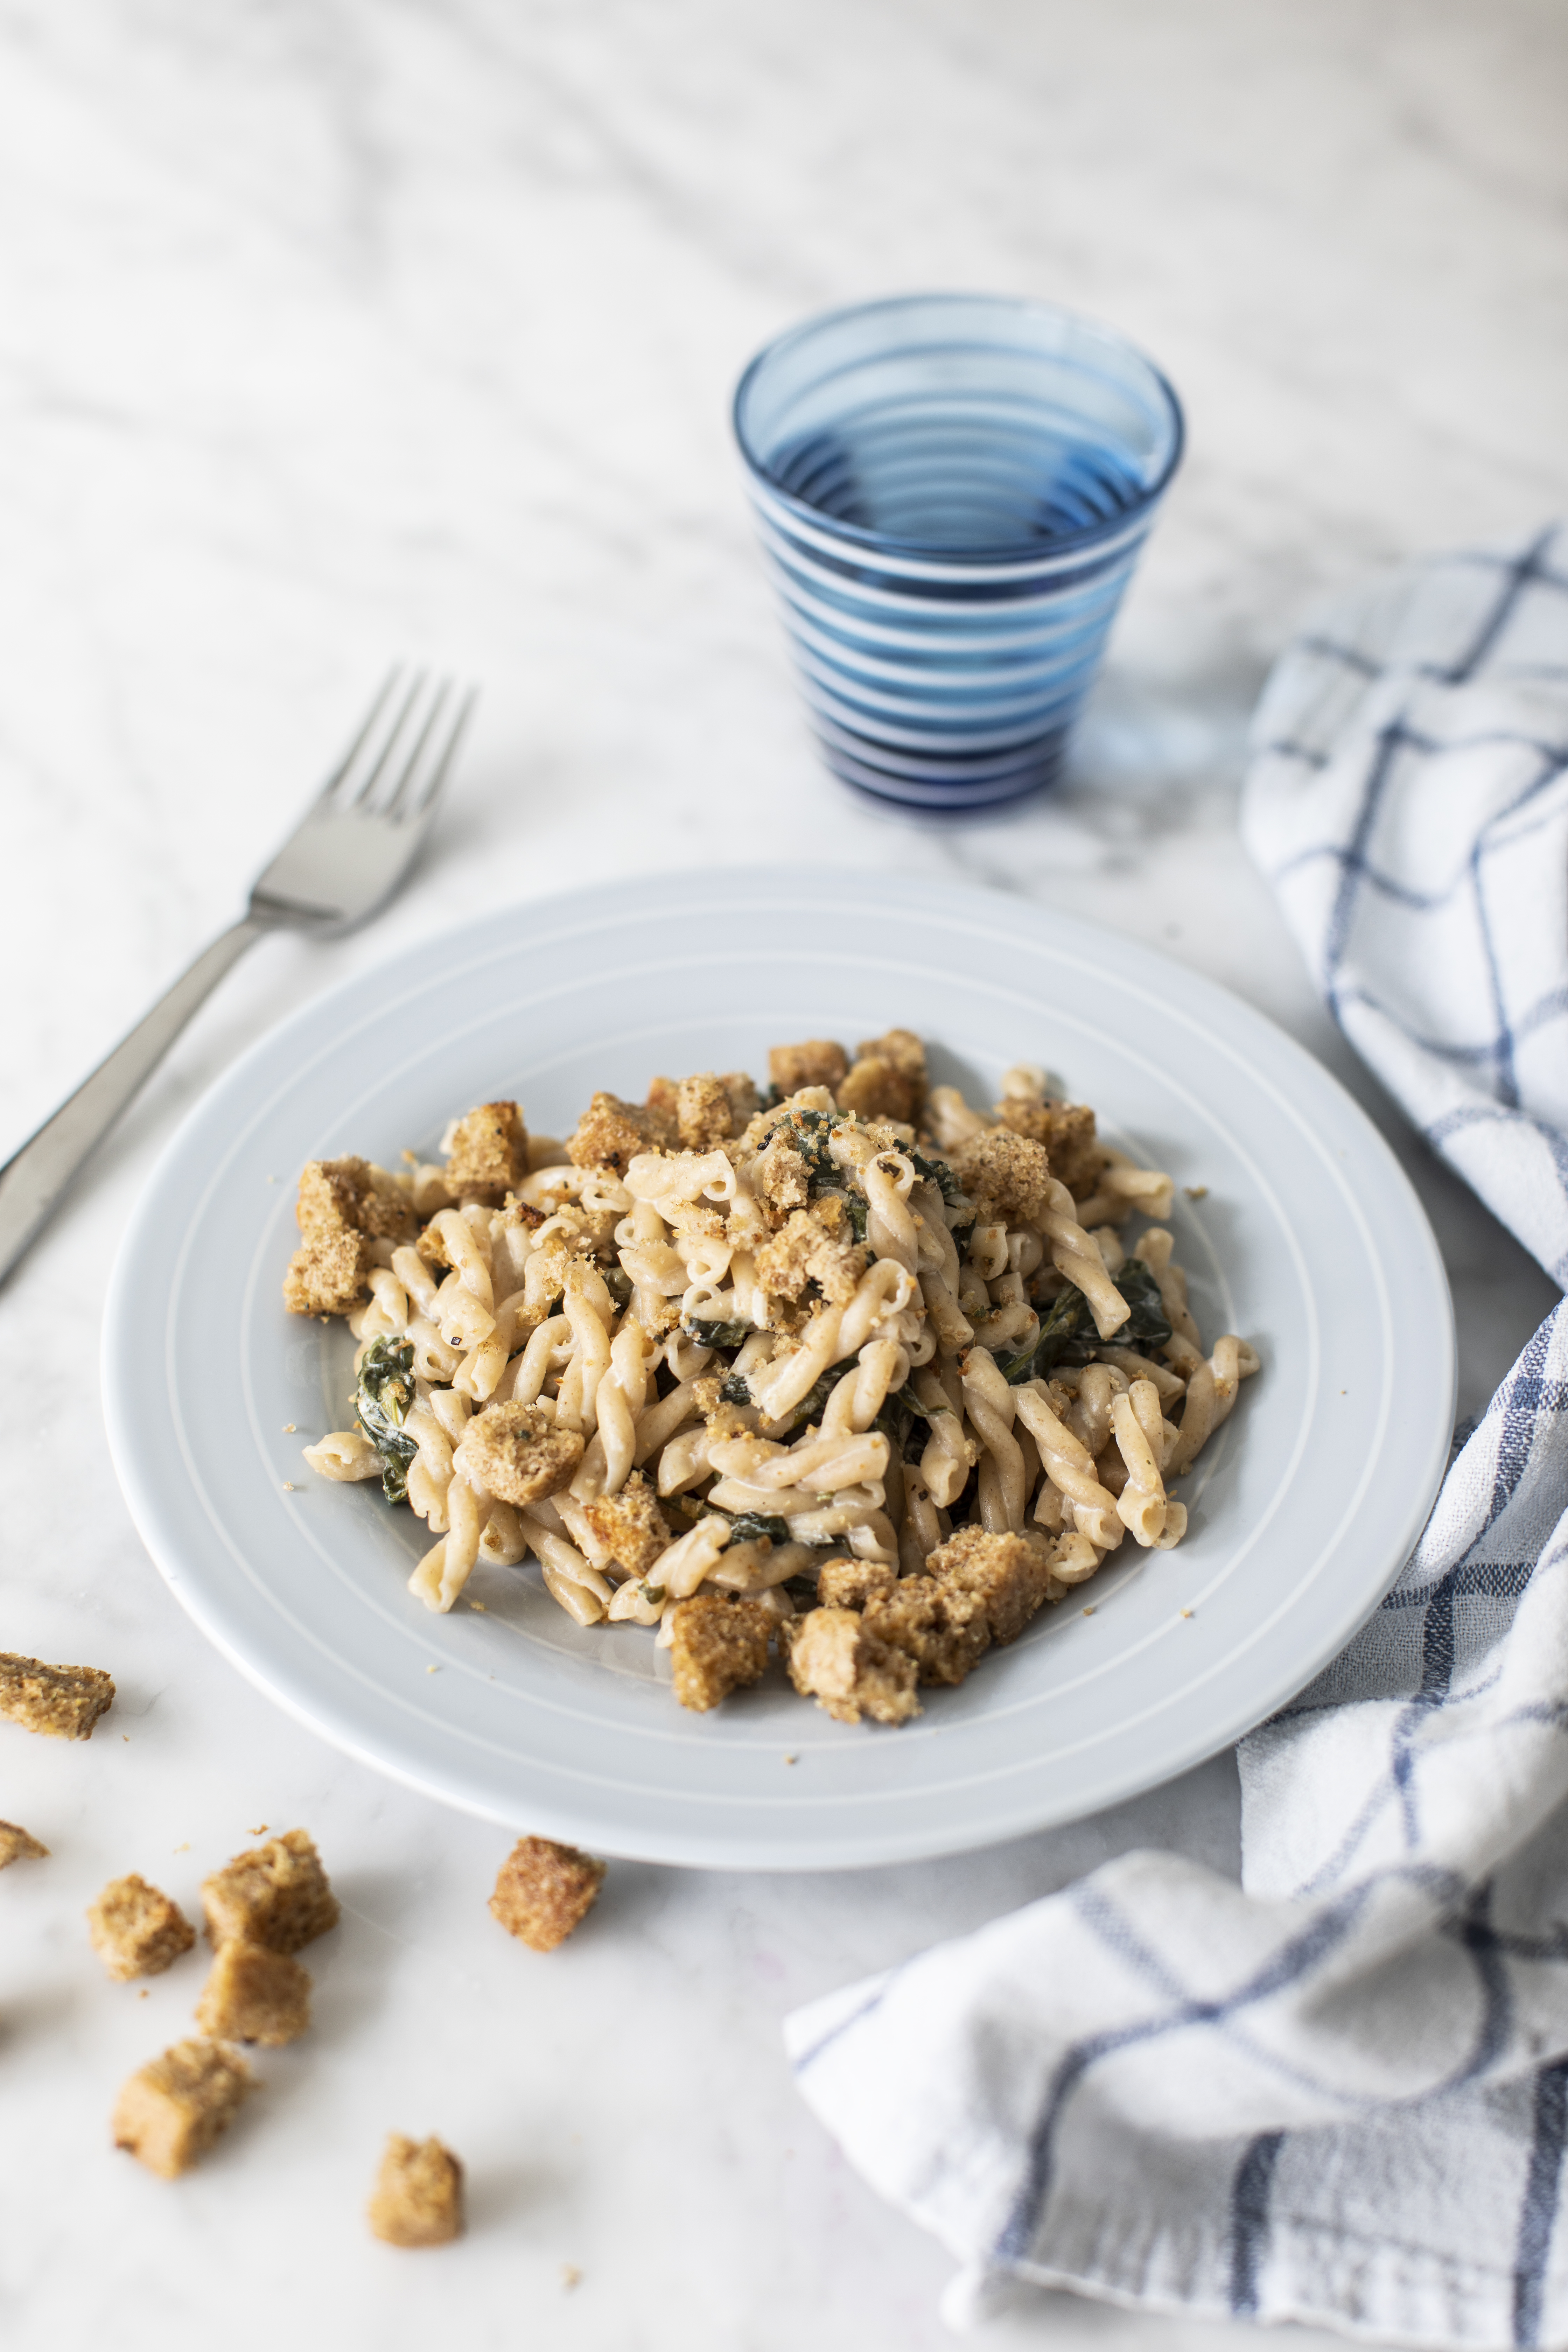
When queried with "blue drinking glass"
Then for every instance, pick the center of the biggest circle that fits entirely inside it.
(952, 490)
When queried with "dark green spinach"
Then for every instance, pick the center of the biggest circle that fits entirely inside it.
(381, 1405)
(1067, 1334)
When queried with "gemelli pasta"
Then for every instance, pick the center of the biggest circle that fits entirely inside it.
(854, 1370)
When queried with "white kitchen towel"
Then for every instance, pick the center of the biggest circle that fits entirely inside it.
(1340, 2092)
(1408, 800)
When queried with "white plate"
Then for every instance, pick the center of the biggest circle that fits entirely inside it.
(1309, 1240)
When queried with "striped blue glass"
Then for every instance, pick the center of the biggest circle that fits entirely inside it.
(951, 491)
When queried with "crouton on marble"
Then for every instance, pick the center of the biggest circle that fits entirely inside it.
(544, 1890)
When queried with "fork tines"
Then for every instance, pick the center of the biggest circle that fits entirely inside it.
(398, 761)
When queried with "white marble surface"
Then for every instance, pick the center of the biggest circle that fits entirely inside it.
(330, 331)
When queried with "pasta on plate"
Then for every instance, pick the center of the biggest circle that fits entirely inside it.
(857, 1371)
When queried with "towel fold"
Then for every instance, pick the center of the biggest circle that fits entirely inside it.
(1338, 2093)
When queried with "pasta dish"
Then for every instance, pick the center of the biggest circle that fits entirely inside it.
(850, 1370)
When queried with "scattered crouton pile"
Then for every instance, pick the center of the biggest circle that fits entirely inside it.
(261, 1909)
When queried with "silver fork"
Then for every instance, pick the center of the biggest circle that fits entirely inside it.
(343, 861)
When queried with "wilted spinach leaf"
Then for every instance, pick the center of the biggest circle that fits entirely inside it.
(901, 1411)
(382, 1406)
(732, 1390)
(1059, 1329)
(813, 1403)
(749, 1527)
(1148, 1324)
(1067, 1332)
(938, 1172)
(716, 1335)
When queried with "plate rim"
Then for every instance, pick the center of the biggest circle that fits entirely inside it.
(156, 1520)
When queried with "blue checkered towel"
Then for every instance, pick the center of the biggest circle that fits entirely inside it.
(1340, 2092)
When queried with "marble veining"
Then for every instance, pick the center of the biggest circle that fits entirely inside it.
(335, 332)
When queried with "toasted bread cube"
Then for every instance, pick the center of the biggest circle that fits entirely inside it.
(255, 1995)
(137, 1930)
(60, 1702)
(852, 1584)
(355, 1193)
(901, 1051)
(1007, 1176)
(1066, 1130)
(488, 1155)
(942, 1628)
(343, 1204)
(888, 1080)
(631, 1524)
(544, 1890)
(419, 2195)
(744, 1100)
(517, 1455)
(170, 2113)
(610, 1134)
(703, 1113)
(16, 1845)
(875, 1090)
(275, 1894)
(1008, 1576)
(327, 1275)
(848, 1670)
(816, 1062)
(719, 1642)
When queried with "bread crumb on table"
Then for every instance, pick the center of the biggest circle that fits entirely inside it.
(170, 2113)
(255, 1995)
(719, 1642)
(419, 2195)
(276, 1894)
(61, 1702)
(544, 1890)
(137, 1930)
(18, 1846)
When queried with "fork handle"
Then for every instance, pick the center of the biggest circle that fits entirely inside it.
(34, 1180)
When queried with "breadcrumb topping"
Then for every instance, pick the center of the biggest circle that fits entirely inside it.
(1006, 1176)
